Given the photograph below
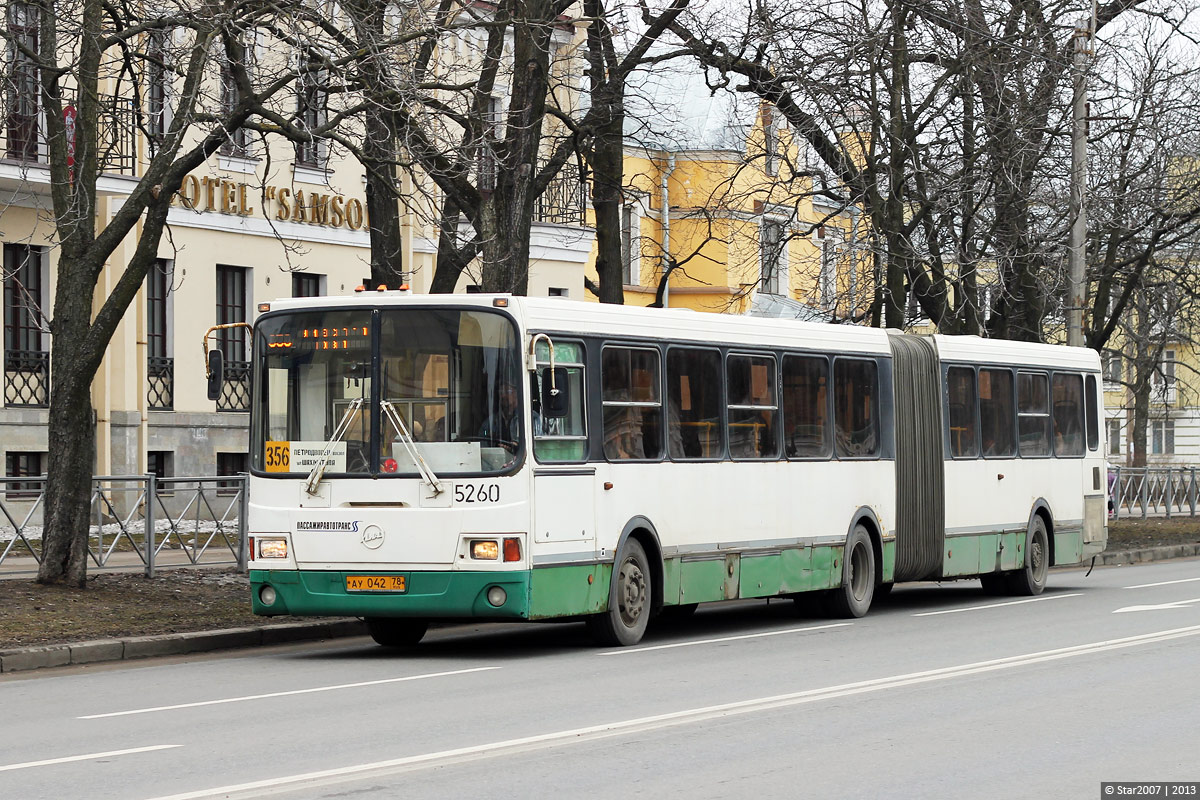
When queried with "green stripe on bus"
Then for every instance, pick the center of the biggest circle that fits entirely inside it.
(569, 590)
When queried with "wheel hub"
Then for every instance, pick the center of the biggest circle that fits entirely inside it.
(631, 592)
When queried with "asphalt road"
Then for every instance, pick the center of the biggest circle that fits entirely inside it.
(940, 692)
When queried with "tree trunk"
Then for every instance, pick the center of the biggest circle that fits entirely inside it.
(71, 431)
(607, 179)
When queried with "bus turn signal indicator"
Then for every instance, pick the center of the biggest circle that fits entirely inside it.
(512, 549)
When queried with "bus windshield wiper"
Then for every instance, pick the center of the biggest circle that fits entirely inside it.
(318, 470)
(410, 445)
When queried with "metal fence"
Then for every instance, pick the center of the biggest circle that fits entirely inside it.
(1152, 492)
(136, 521)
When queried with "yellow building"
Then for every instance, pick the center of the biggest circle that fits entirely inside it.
(722, 196)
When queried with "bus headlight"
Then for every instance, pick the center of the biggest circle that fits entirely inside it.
(272, 548)
(496, 596)
(484, 550)
(267, 595)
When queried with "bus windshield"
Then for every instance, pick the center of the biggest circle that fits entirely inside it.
(452, 376)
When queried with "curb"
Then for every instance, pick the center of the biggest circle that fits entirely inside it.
(1148, 554)
(170, 644)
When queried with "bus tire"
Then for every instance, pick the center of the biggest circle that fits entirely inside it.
(396, 631)
(629, 600)
(1032, 579)
(853, 598)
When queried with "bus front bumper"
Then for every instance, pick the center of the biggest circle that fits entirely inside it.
(430, 595)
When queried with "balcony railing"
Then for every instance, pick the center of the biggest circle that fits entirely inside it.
(160, 383)
(565, 199)
(26, 378)
(235, 392)
(23, 137)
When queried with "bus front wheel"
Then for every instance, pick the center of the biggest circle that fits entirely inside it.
(853, 598)
(1032, 579)
(396, 631)
(629, 598)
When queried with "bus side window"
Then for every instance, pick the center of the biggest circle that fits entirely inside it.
(1068, 414)
(855, 404)
(960, 398)
(806, 407)
(996, 413)
(694, 404)
(1033, 414)
(1092, 410)
(753, 410)
(632, 404)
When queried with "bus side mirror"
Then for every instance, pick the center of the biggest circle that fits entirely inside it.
(556, 402)
(216, 374)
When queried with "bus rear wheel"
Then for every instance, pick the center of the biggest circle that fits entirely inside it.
(1032, 579)
(629, 598)
(396, 631)
(853, 598)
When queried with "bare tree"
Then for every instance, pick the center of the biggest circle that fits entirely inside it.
(90, 56)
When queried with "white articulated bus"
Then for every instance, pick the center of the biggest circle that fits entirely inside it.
(418, 458)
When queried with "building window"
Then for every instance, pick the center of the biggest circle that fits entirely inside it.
(238, 142)
(231, 307)
(1162, 437)
(631, 263)
(305, 284)
(156, 87)
(228, 465)
(771, 256)
(492, 126)
(21, 84)
(160, 366)
(1163, 379)
(23, 465)
(312, 110)
(161, 464)
(26, 362)
(1112, 370)
(1114, 437)
(557, 291)
(770, 140)
(827, 277)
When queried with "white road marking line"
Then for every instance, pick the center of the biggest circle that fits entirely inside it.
(1162, 583)
(998, 605)
(285, 694)
(89, 756)
(1159, 607)
(624, 651)
(394, 766)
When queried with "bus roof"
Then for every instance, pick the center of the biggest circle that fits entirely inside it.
(1004, 351)
(563, 316)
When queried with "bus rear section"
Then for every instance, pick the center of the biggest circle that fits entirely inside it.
(1004, 476)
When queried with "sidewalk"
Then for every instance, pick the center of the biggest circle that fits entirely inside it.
(59, 655)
